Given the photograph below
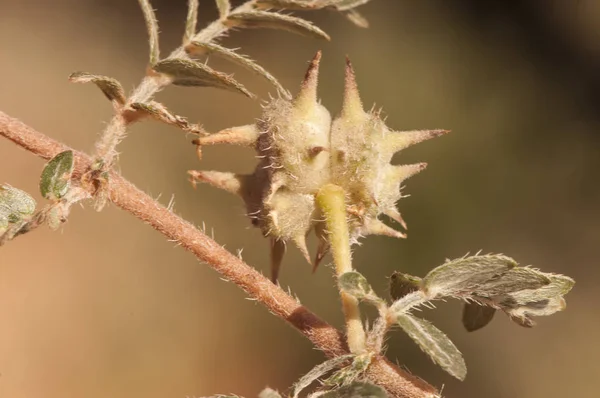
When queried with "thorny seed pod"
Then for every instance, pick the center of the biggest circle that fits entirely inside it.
(301, 150)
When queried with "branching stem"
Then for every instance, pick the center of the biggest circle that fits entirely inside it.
(125, 195)
(332, 202)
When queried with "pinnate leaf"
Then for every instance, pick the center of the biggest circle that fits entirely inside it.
(435, 343)
(185, 72)
(274, 20)
(56, 176)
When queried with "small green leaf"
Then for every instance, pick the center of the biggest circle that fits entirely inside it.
(273, 20)
(475, 316)
(269, 393)
(403, 284)
(15, 204)
(198, 48)
(56, 176)
(558, 285)
(357, 390)
(435, 343)
(465, 274)
(111, 88)
(350, 373)
(355, 284)
(186, 72)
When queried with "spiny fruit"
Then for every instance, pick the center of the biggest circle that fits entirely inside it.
(301, 149)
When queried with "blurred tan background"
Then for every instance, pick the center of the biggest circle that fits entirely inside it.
(107, 308)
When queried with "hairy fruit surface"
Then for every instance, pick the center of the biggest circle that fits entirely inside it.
(301, 150)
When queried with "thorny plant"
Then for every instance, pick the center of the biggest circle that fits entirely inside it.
(332, 177)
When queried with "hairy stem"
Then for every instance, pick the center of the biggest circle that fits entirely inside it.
(125, 195)
(150, 85)
(332, 202)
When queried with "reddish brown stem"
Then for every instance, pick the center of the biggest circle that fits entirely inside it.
(129, 198)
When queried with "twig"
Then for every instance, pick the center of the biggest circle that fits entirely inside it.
(396, 381)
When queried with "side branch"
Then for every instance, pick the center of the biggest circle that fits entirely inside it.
(125, 195)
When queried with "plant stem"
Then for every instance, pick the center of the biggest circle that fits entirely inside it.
(396, 381)
(332, 202)
(116, 129)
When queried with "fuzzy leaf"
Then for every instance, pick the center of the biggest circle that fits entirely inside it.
(159, 112)
(191, 20)
(403, 284)
(518, 278)
(317, 372)
(111, 88)
(269, 393)
(559, 286)
(152, 27)
(350, 373)
(56, 176)
(355, 284)
(435, 343)
(465, 274)
(224, 7)
(357, 390)
(273, 20)
(198, 48)
(191, 73)
(14, 205)
(475, 316)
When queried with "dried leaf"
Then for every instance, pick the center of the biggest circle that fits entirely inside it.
(56, 176)
(465, 274)
(475, 316)
(111, 88)
(273, 20)
(191, 73)
(224, 8)
(159, 112)
(403, 284)
(357, 390)
(198, 48)
(14, 205)
(191, 20)
(435, 343)
(152, 27)
(317, 372)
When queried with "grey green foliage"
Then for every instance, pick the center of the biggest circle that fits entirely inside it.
(111, 88)
(186, 72)
(56, 176)
(435, 343)
(15, 205)
(355, 284)
(274, 20)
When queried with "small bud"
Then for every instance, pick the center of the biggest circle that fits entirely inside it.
(56, 176)
(403, 284)
(476, 316)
